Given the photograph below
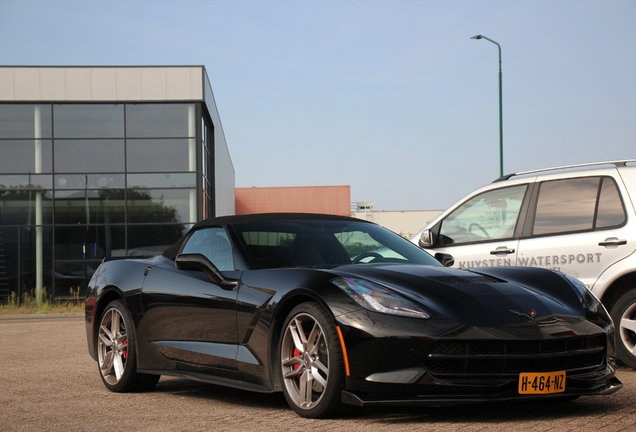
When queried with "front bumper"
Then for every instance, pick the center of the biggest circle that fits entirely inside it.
(430, 391)
(610, 386)
(451, 365)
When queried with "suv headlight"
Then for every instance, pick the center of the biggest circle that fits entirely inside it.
(377, 298)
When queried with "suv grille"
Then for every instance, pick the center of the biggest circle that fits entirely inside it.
(478, 358)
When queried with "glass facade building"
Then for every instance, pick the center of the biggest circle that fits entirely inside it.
(96, 173)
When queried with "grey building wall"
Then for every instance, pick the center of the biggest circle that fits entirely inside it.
(224, 173)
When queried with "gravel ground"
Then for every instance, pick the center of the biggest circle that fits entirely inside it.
(48, 382)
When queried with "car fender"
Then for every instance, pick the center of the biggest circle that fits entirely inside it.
(327, 295)
(121, 279)
(604, 287)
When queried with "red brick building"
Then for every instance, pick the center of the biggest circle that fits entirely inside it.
(304, 199)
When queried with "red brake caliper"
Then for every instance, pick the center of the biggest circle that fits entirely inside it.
(296, 366)
(125, 350)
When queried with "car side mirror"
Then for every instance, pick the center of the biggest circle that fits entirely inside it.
(445, 259)
(199, 262)
(426, 239)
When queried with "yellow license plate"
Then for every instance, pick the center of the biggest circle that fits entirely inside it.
(542, 383)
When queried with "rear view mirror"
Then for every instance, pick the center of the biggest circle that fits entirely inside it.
(425, 240)
(445, 259)
(198, 262)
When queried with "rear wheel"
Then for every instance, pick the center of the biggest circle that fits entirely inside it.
(311, 362)
(116, 352)
(624, 316)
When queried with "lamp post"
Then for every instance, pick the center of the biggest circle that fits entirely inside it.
(500, 105)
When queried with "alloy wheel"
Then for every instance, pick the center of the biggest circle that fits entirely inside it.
(305, 361)
(627, 328)
(112, 346)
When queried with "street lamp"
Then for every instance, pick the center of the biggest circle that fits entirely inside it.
(500, 105)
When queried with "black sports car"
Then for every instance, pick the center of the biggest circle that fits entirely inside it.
(336, 311)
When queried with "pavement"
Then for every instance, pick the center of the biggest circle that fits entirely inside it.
(49, 382)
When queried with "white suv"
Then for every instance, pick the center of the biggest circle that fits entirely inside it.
(576, 219)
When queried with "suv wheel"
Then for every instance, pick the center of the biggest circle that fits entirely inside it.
(624, 316)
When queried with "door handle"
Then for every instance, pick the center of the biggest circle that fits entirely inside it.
(502, 250)
(612, 241)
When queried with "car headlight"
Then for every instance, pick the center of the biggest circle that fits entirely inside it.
(377, 298)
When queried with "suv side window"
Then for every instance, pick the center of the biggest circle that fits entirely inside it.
(580, 204)
(214, 245)
(611, 212)
(491, 215)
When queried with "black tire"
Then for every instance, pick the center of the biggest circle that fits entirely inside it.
(624, 317)
(117, 354)
(311, 362)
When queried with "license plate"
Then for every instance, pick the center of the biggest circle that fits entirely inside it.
(542, 383)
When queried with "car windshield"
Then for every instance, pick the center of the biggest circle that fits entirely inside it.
(324, 243)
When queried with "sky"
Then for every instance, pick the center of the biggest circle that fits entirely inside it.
(390, 97)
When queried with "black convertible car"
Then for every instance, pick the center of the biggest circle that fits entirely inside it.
(335, 311)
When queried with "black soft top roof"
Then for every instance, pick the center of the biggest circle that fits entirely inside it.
(266, 217)
(171, 252)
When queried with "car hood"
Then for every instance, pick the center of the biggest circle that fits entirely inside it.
(479, 298)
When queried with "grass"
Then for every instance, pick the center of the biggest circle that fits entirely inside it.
(27, 304)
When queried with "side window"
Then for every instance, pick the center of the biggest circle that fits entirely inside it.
(213, 244)
(580, 204)
(611, 212)
(490, 215)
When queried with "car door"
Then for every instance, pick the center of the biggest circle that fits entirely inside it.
(188, 318)
(483, 230)
(576, 226)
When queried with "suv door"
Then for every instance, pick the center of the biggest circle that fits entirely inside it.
(484, 230)
(576, 226)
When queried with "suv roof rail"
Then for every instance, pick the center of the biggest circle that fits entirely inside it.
(617, 163)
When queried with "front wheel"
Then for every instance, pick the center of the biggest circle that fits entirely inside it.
(312, 366)
(624, 317)
(116, 353)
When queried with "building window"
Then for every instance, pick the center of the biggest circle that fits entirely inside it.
(159, 206)
(160, 121)
(89, 156)
(25, 121)
(88, 121)
(80, 182)
(90, 207)
(25, 206)
(26, 156)
(158, 155)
